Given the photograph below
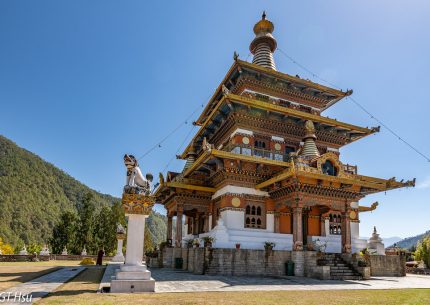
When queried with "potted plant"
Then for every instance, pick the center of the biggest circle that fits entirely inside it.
(237, 246)
(207, 241)
(268, 245)
(196, 243)
(189, 243)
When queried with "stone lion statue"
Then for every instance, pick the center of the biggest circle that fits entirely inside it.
(136, 183)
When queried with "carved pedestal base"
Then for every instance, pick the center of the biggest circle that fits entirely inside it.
(133, 276)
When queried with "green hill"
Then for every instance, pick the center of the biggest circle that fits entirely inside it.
(34, 193)
(409, 242)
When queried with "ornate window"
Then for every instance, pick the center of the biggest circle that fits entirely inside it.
(289, 149)
(260, 144)
(328, 168)
(255, 216)
(335, 224)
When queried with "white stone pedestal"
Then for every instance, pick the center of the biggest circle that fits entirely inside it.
(133, 275)
(119, 257)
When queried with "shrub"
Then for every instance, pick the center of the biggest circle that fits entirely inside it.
(87, 261)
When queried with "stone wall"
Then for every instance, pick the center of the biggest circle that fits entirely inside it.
(22, 258)
(246, 262)
(311, 269)
(228, 261)
(167, 257)
(387, 265)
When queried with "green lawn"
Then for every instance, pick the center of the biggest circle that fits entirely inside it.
(81, 290)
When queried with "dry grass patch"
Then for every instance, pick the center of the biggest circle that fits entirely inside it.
(14, 275)
(51, 263)
(82, 290)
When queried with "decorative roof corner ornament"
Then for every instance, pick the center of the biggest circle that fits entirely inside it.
(235, 56)
(372, 207)
(410, 182)
(206, 146)
(376, 129)
(225, 90)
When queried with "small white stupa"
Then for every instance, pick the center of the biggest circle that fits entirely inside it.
(375, 244)
(84, 252)
(120, 236)
(45, 250)
(23, 251)
(64, 251)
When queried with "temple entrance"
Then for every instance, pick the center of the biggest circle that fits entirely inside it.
(305, 228)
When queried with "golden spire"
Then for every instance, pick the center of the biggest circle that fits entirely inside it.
(263, 45)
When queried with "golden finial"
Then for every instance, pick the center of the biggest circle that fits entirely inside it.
(263, 26)
(309, 126)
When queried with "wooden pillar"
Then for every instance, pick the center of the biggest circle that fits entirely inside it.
(169, 227)
(277, 223)
(197, 224)
(297, 229)
(179, 214)
(206, 229)
(346, 232)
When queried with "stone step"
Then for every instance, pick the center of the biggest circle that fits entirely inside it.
(343, 278)
(341, 270)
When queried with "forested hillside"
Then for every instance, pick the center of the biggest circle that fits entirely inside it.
(411, 242)
(34, 194)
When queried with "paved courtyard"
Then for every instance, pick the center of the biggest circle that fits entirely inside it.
(170, 280)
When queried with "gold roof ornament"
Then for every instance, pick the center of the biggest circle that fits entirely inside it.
(263, 26)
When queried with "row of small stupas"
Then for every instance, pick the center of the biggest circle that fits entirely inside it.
(264, 165)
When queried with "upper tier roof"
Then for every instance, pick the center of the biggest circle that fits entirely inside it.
(320, 97)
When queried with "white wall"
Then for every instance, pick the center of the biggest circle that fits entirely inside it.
(233, 219)
(270, 222)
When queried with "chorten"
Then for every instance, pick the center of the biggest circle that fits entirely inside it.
(375, 244)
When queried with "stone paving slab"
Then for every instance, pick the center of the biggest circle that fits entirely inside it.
(110, 270)
(170, 280)
(41, 286)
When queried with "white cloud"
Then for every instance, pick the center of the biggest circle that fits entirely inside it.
(425, 184)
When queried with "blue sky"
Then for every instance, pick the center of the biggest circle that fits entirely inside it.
(83, 82)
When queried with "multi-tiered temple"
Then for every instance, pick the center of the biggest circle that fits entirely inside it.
(264, 165)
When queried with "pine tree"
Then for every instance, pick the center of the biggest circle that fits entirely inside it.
(85, 232)
(104, 230)
(64, 233)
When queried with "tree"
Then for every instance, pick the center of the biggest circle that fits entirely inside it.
(423, 251)
(85, 237)
(64, 233)
(104, 230)
(148, 244)
(34, 248)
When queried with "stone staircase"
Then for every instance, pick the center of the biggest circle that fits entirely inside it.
(341, 270)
